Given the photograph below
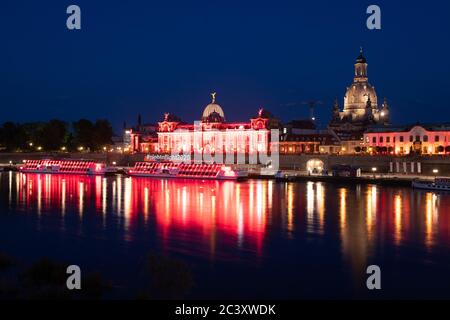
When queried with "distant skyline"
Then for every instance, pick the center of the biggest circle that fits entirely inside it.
(142, 57)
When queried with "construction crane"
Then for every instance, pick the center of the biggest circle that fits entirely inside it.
(312, 105)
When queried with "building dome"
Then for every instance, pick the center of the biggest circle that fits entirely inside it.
(359, 92)
(213, 107)
(214, 117)
(357, 95)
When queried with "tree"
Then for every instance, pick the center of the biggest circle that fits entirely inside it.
(83, 133)
(12, 136)
(53, 135)
(34, 133)
(103, 133)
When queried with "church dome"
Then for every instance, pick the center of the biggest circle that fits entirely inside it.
(360, 90)
(213, 107)
(357, 95)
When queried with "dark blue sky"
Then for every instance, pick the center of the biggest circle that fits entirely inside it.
(152, 57)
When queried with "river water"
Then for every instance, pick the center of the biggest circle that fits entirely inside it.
(251, 239)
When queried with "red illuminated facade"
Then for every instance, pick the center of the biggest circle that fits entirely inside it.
(418, 139)
(210, 135)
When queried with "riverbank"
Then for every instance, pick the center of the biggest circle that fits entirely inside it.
(293, 167)
(390, 180)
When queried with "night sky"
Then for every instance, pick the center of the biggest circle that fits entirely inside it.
(151, 57)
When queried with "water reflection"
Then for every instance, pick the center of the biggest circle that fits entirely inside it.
(211, 218)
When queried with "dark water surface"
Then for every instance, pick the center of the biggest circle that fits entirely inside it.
(253, 239)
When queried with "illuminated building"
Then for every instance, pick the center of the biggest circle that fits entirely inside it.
(418, 139)
(213, 134)
(302, 136)
(142, 138)
(361, 109)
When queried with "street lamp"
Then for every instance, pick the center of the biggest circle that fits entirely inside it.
(374, 170)
(435, 171)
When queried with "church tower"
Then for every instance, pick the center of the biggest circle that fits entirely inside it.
(361, 68)
(358, 93)
(360, 103)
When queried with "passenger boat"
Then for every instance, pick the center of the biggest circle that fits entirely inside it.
(439, 184)
(66, 167)
(186, 171)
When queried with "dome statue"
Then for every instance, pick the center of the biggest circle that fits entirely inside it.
(213, 107)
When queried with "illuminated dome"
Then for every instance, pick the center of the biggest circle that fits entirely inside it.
(360, 91)
(211, 108)
(357, 95)
(214, 117)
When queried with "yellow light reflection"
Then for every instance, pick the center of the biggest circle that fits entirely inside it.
(371, 206)
(290, 207)
(398, 206)
(430, 218)
(127, 202)
(320, 198)
(104, 185)
(310, 201)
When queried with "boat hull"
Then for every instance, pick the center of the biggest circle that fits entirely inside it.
(169, 176)
(172, 170)
(63, 172)
(77, 167)
(430, 185)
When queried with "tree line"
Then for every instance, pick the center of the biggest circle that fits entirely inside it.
(56, 135)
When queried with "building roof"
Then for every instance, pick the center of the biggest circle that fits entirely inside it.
(406, 128)
(302, 124)
(361, 58)
(323, 138)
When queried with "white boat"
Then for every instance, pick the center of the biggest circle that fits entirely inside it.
(186, 171)
(65, 167)
(268, 170)
(439, 184)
